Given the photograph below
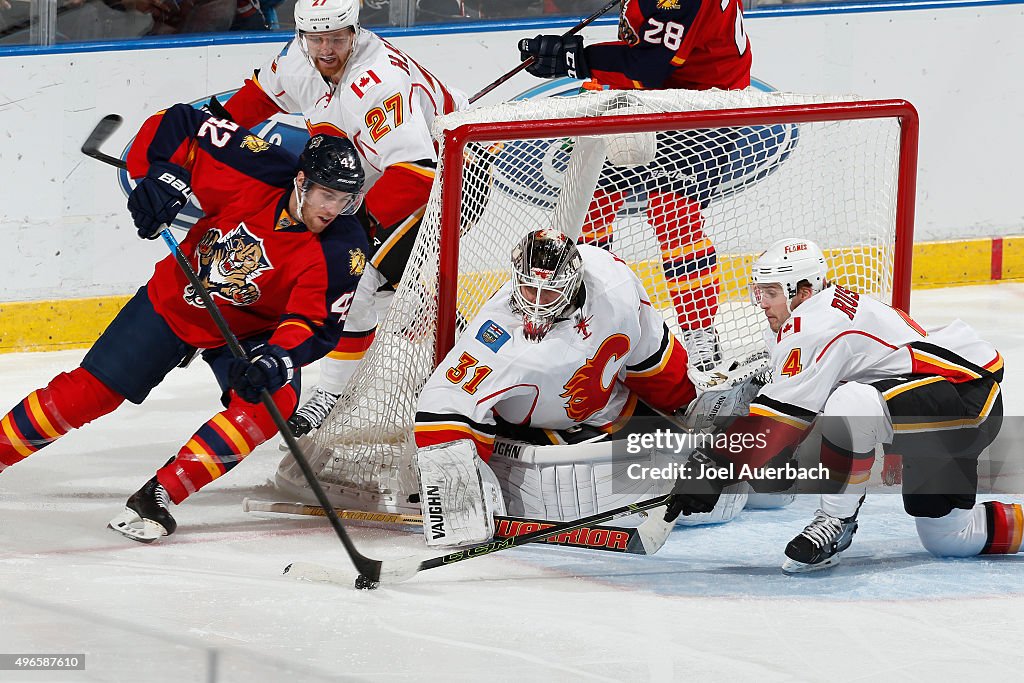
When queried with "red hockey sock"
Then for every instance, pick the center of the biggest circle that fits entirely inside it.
(1005, 528)
(688, 258)
(69, 401)
(598, 226)
(845, 466)
(221, 443)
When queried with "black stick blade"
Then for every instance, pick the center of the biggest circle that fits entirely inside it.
(99, 135)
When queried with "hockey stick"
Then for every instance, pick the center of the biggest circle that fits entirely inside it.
(594, 537)
(571, 32)
(366, 566)
(385, 519)
(396, 571)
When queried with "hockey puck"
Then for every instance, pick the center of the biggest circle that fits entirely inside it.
(365, 583)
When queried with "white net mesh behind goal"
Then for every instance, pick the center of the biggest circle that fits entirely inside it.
(687, 207)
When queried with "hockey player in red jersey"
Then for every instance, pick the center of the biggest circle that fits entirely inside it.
(347, 81)
(663, 44)
(281, 253)
(934, 394)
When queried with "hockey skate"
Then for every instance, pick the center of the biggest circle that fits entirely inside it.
(702, 346)
(819, 544)
(146, 515)
(313, 412)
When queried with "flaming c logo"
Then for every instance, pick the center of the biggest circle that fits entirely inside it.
(585, 391)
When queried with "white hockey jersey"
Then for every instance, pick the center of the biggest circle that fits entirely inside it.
(589, 369)
(839, 336)
(385, 102)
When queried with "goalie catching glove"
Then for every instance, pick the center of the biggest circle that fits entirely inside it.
(725, 393)
(459, 494)
(555, 56)
(158, 198)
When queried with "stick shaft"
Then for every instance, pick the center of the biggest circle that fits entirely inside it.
(573, 31)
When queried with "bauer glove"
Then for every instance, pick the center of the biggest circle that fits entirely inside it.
(269, 368)
(555, 56)
(158, 198)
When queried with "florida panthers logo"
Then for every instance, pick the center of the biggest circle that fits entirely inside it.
(255, 144)
(586, 391)
(228, 264)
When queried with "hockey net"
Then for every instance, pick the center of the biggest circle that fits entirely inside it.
(720, 174)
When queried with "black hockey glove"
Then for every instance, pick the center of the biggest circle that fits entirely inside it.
(555, 56)
(696, 492)
(158, 197)
(269, 368)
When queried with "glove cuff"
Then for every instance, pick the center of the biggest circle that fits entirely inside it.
(180, 179)
(575, 58)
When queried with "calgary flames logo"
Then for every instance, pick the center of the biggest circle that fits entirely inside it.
(227, 265)
(585, 390)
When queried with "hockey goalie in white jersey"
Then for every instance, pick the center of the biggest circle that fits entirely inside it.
(565, 352)
(347, 81)
(874, 376)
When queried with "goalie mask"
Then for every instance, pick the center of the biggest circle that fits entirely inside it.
(332, 162)
(547, 274)
(787, 263)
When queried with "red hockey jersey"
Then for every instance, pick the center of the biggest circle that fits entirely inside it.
(267, 272)
(688, 44)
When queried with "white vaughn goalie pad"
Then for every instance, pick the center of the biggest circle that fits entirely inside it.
(459, 495)
(565, 482)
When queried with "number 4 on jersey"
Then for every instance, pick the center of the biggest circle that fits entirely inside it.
(792, 365)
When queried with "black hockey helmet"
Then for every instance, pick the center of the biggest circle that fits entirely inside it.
(332, 162)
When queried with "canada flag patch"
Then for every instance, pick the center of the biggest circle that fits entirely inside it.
(364, 82)
(792, 326)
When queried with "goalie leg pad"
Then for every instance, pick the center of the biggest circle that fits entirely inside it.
(569, 481)
(459, 493)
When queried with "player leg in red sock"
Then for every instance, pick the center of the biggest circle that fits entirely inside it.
(691, 271)
(69, 401)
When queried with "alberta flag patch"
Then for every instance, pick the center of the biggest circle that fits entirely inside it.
(492, 335)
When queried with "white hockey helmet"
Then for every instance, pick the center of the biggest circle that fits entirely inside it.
(788, 262)
(321, 16)
(548, 264)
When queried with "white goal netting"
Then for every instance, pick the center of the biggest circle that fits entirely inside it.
(687, 202)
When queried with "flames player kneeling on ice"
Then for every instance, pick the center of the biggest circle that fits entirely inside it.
(564, 353)
(871, 375)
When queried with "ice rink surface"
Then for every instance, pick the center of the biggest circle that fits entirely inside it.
(210, 603)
